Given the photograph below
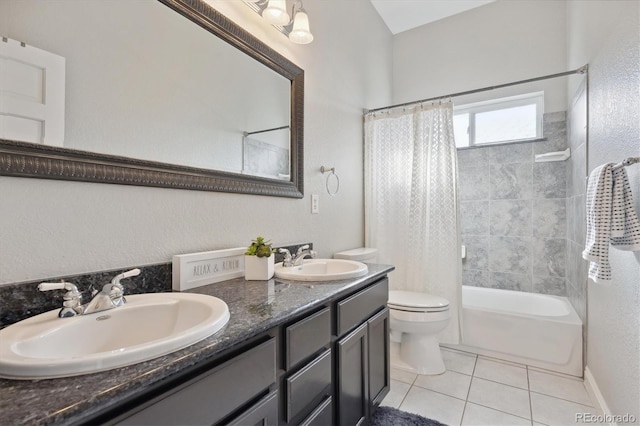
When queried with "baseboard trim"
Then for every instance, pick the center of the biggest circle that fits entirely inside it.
(595, 394)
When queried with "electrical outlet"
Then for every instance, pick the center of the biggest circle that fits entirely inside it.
(315, 203)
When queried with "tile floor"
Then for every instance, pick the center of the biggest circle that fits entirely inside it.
(477, 390)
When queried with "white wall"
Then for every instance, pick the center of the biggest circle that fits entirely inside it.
(606, 35)
(50, 228)
(497, 43)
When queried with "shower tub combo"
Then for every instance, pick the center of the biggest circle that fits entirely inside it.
(535, 329)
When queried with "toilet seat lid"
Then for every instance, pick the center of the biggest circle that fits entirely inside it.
(415, 301)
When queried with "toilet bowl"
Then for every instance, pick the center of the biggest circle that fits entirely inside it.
(415, 321)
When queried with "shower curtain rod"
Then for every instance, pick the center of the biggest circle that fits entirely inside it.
(580, 70)
(266, 130)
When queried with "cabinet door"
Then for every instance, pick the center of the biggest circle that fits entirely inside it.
(379, 373)
(352, 388)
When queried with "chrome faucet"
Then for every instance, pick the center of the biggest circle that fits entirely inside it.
(72, 304)
(302, 252)
(111, 296)
(287, 261)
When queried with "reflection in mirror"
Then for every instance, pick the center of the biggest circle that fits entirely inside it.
(162, 92)
(266, 153)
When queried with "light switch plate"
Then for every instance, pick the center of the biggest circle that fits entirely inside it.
(315, 203)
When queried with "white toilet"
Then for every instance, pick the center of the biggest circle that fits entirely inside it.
(419, 317)
(362, 254)
(415, 321)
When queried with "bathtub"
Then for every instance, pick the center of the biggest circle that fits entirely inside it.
(534, 329)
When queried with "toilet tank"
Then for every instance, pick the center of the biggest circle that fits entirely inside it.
(362, 254)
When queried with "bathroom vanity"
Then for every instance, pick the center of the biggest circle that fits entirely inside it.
(292, 353)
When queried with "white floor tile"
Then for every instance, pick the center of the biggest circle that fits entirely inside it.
(477, 415)
(501, 397)
(434, 405)
(460, 362)
(559, 387)
(499, 393)
(553, 411)
(450, 383)
(403, 376)
(508, 374)
(397, 392)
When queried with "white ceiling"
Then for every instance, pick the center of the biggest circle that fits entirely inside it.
(402, 15)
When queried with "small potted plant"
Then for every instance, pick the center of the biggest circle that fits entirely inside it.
(259, 260)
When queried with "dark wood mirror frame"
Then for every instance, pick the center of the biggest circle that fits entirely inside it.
(22, 159)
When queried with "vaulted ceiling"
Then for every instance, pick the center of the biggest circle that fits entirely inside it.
(403, 15)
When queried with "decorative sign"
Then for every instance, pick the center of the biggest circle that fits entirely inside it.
(207, 267)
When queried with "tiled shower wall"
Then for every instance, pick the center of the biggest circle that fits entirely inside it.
(514, 214)
(576, 276)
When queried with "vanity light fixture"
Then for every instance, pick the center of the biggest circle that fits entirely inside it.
(274, 12)
(300, 32)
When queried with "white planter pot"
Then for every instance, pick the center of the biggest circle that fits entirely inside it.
(258, 268)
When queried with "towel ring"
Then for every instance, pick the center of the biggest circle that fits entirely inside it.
(332, 172)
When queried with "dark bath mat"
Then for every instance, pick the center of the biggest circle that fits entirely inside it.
(388, 416)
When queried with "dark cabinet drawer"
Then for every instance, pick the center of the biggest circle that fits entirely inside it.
(307, 336)
(264, 413)
(308, 386)
(321, 416)
(354, 309)
(210, 397)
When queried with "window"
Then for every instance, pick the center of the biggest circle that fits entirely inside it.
(516, 118)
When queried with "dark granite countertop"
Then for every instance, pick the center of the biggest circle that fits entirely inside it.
(255, 307)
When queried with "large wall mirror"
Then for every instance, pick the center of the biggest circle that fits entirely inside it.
(166, 93)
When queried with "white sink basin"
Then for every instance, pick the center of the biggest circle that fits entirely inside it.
(322, 270)
(146, 327)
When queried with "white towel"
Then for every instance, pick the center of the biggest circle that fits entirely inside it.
(611, 219)
(599, 199)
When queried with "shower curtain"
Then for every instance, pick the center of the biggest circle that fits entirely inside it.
(411, 202)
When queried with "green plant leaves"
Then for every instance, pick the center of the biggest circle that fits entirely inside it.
(259, 247)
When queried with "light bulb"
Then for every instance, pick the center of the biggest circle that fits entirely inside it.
(276, 12)
(300, 33)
